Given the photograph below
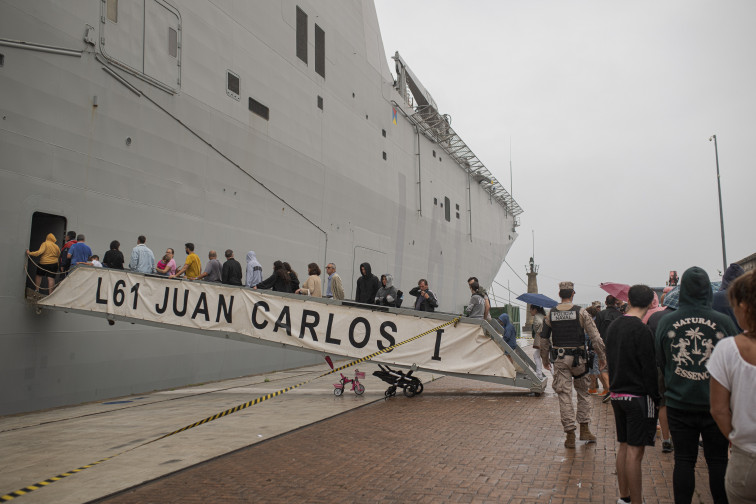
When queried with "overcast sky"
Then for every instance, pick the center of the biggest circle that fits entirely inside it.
(609, 106)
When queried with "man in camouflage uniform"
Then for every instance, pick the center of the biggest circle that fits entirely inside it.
(563, 343)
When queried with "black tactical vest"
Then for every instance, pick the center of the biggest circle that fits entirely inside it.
(566, 330)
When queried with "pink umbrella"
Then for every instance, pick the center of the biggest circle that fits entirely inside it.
(617, 290)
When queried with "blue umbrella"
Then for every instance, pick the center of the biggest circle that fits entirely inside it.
(672, 299)
(537, 299)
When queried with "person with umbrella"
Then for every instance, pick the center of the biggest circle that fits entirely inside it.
(563, 343)
(536, 304)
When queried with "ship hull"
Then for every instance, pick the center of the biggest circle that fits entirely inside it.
(88, 144)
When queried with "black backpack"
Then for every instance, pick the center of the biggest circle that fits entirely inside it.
(605, 319)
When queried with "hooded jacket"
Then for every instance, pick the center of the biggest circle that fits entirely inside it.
(721, 302)
(510, 333)
(254, 270)
(367, 285)
(655, 307)
(386, 296)
(49, 251)
(476, 308)
(685, 339)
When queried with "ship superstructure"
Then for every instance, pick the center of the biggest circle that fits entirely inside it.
(273, 126)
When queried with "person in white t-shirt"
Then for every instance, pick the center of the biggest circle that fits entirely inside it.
(733, 403)
(94, 260)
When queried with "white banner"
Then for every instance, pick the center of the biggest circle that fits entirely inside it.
(329, 328)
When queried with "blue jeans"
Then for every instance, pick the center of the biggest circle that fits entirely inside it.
(686, 427)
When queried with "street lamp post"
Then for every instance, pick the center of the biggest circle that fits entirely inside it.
(721, 219)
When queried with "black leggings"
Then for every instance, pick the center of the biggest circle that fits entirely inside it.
(686, 427)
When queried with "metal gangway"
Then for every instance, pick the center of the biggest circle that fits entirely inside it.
(441, 343)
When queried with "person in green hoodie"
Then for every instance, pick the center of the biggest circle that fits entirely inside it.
(685, 340)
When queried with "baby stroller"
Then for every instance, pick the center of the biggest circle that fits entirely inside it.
(411, 385)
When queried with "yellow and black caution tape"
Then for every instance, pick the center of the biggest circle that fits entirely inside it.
(49, 481)
(36, 486)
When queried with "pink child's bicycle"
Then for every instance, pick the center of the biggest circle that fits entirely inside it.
(357, 387)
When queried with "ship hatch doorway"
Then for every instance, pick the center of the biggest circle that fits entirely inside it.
(42, 224)
(143, 37)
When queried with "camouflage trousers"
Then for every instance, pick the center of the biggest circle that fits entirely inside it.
(562, 385)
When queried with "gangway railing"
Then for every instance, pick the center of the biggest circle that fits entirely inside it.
(470, 348)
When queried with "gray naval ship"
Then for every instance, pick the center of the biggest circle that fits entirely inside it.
(275, 126)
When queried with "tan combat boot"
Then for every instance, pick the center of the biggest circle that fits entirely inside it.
(570, 441)
(586, 434)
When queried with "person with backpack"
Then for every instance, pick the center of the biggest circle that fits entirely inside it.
(563, 347)
(387, 294)
(65, 262)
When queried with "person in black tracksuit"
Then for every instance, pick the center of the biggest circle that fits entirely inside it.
(367, 285)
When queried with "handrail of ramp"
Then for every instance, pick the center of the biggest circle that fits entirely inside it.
(469, 349)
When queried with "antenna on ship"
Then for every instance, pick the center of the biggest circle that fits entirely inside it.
(511, 189)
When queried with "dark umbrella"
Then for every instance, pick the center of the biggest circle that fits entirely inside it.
(537, 299)
(672, 299)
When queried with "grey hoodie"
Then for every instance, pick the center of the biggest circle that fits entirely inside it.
(386, 296)
(254, 270)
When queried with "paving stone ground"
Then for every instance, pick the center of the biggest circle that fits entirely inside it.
(460, 441)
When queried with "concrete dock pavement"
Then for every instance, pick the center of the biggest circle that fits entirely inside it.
(459, 441)
(40, 445)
